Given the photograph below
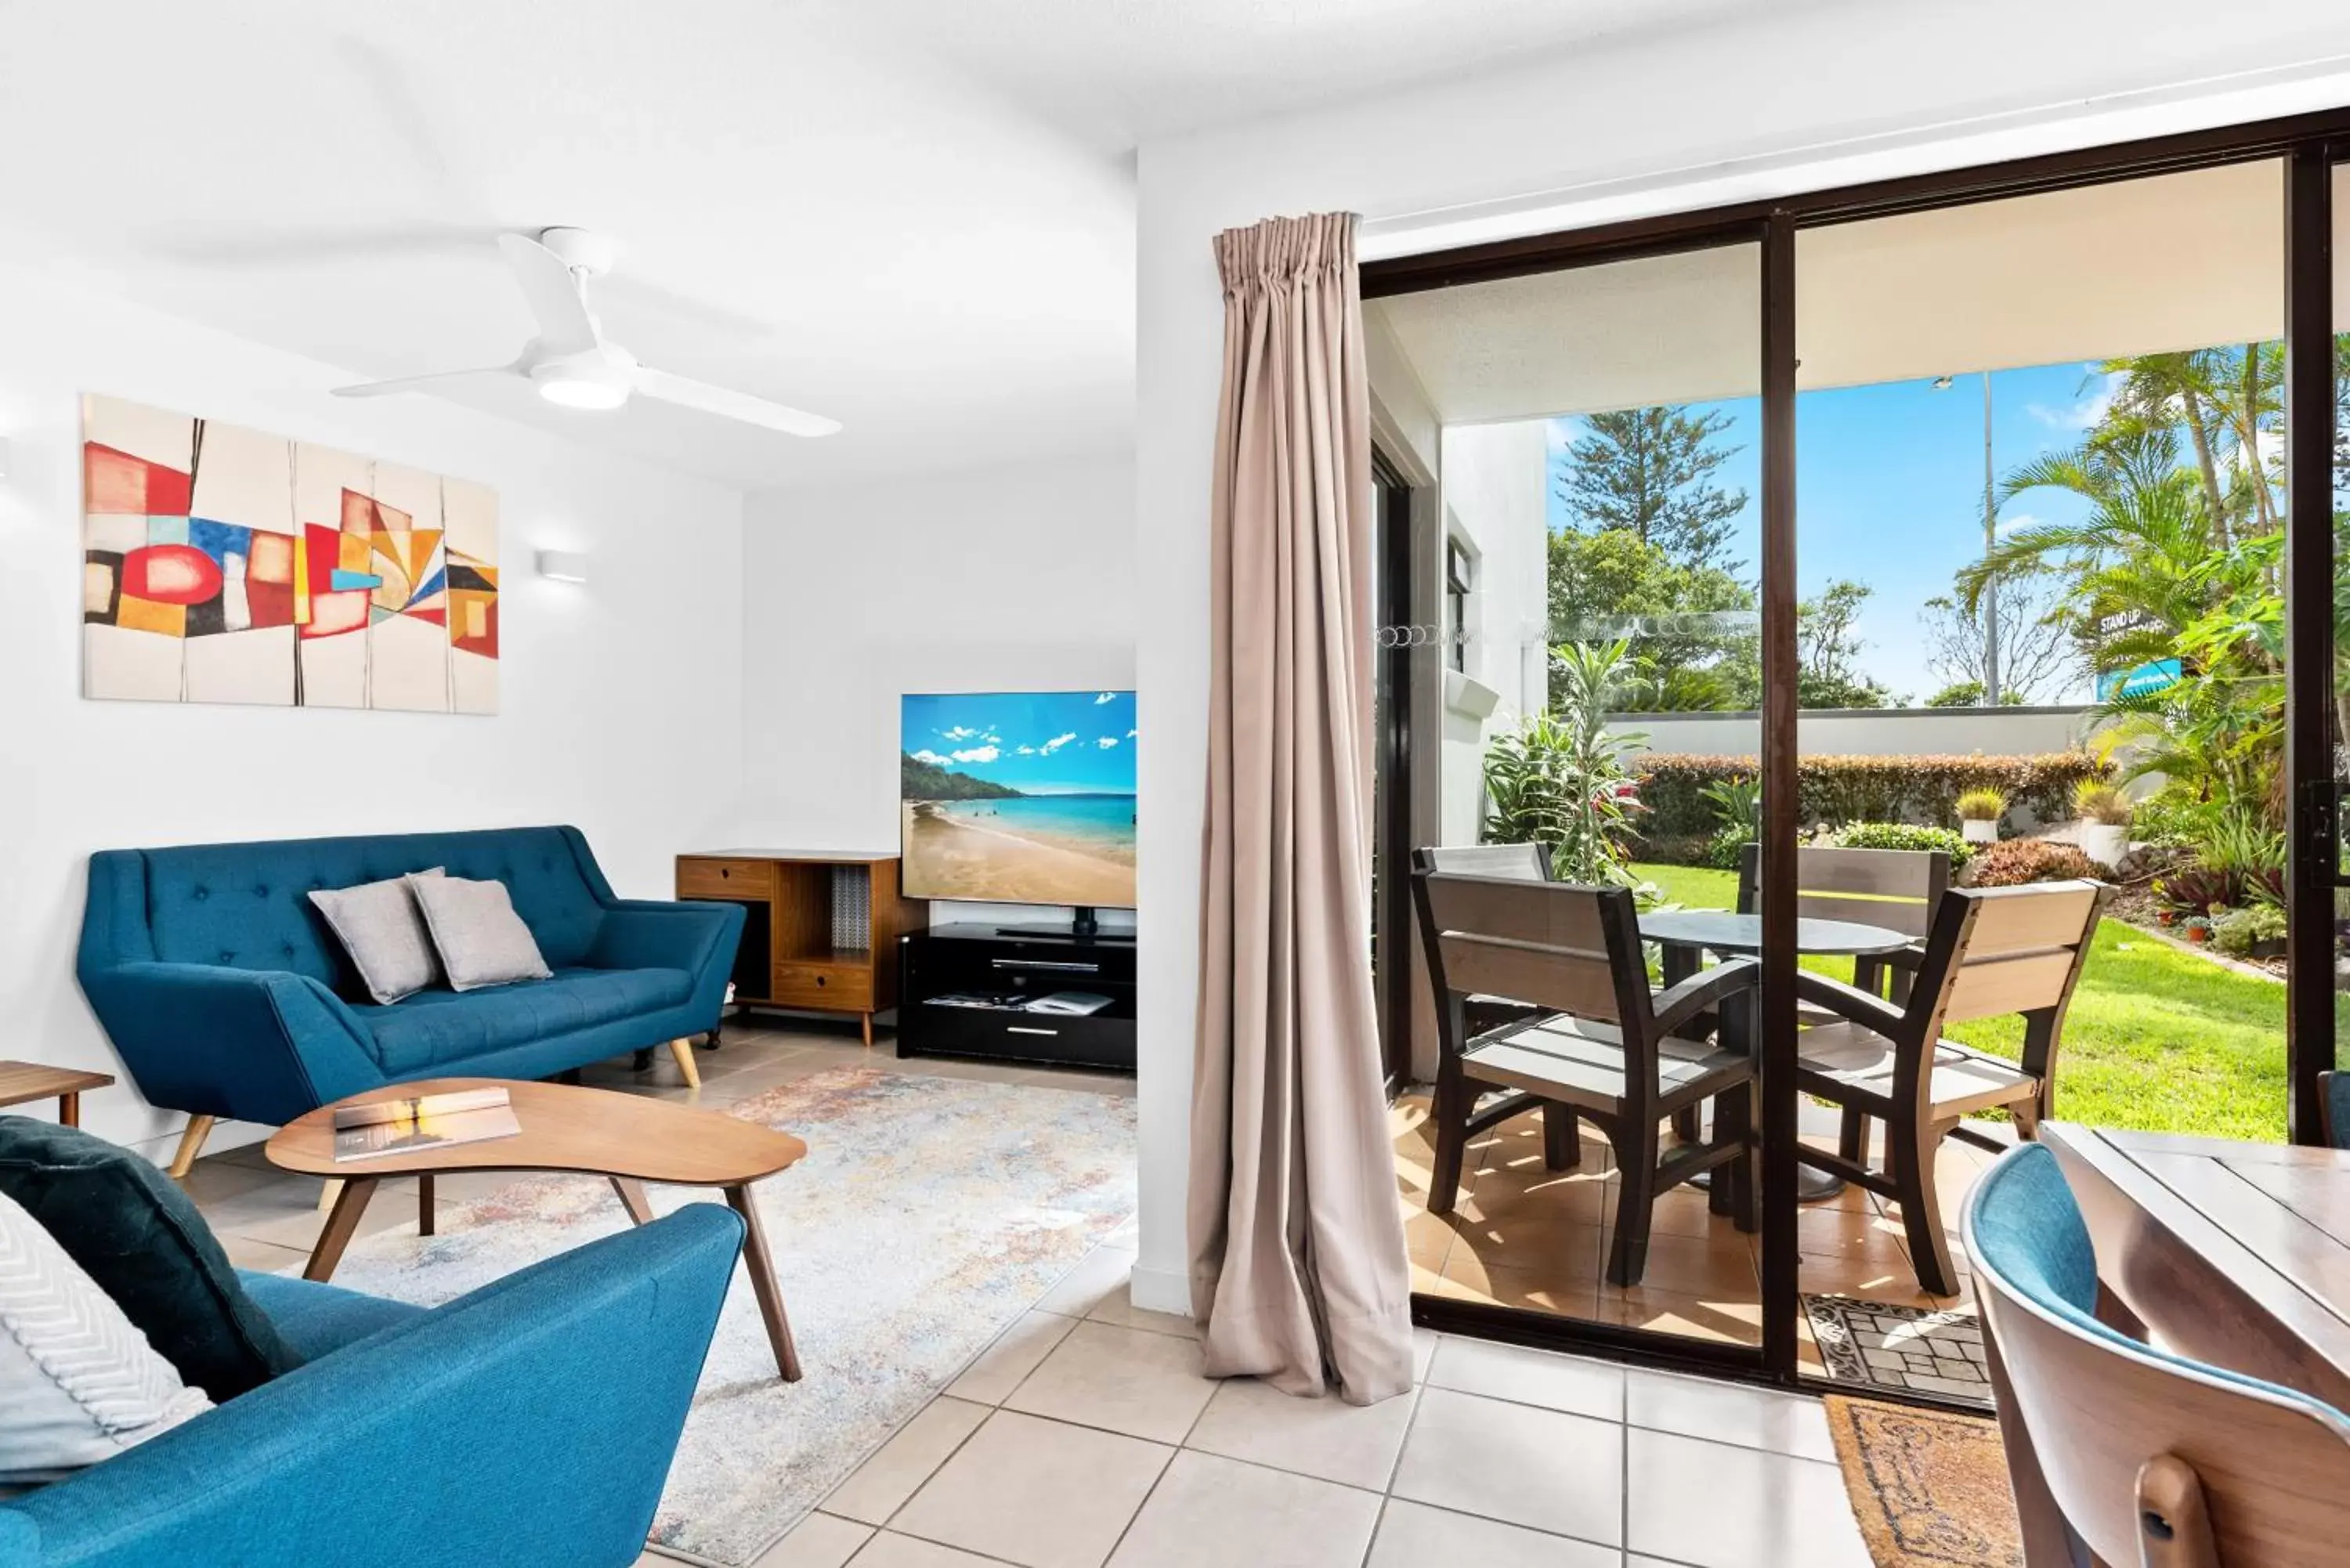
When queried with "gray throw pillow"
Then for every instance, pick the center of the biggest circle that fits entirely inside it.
(480, 940)
(380, 926)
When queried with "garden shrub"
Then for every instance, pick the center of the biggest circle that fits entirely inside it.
(2194, 889)
(2012, 862)
(1904, 835)
(1726, 848)
(2171, 819)
(2238, 932)
(1674, 849)
(1841, 789)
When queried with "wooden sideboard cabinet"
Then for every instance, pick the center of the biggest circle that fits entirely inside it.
(820, 927)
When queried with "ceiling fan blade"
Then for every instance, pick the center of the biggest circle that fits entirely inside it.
(734, 405)
(418, 383)
(564, 325)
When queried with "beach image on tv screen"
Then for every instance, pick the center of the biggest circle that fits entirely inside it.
(1024, 797)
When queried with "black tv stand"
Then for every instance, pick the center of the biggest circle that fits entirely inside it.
(1084, 927)
(994, 981)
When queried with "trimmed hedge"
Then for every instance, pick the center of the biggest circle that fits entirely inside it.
(1836, 790)
(1905, 836)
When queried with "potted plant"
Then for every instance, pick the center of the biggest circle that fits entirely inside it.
(2104, 814)
(1979, 814)
(2198, 929)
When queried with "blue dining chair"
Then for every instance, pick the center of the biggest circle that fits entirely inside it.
(2334, 1107)
(2137, 1454)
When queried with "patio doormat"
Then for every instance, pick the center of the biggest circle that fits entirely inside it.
(1929, 1486)
(1884, 1346)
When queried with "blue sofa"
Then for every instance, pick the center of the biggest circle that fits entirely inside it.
(226, 996)
(530, 1425)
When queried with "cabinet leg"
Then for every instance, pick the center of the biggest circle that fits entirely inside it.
(869, 1031)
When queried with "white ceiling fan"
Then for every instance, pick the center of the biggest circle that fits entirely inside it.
(570, 363)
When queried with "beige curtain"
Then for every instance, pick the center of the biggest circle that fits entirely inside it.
(1298, 1267)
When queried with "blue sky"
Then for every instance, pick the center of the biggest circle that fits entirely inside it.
(1045, 743)
(1890, 490)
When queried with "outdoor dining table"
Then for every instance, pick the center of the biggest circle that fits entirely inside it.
(1686, 935)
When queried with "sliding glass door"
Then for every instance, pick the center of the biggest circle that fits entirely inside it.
(1596, 437)
(1788, 566)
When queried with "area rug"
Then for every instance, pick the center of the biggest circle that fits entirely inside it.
(929, 1215)
(1930, 1488)
(1917, 1351)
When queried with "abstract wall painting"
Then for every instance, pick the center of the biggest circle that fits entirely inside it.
(222, 565)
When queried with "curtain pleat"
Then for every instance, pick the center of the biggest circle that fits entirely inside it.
(1299, 1273)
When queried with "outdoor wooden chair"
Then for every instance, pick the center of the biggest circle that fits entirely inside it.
(1605, 1044)
(1896, 888)
(1562, 1133)
(1990, 952)
(2120, 1452)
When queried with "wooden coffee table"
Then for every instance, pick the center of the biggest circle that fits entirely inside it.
(627, 1140)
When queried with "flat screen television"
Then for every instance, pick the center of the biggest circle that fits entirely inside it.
(1019, 797)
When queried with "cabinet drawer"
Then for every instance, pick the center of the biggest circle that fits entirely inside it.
(725, 878)
(846, 986)
(1093, 1042)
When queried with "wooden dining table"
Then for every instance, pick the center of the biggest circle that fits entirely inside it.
(2236, 1253)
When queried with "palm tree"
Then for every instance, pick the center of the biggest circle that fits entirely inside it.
(2139, 562)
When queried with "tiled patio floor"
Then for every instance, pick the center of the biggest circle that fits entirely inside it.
(1523, 1236)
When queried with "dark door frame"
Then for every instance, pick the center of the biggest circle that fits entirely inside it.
(1393, 831)
(2312, 847)
(2308, 145)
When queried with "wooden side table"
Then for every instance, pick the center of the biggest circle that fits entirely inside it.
(22, 1081)
(629, 1139)
(820, 927)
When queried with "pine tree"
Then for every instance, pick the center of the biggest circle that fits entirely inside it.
(1649, 472)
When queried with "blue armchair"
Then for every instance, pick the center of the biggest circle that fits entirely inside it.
(530, 1424)
(226, 996)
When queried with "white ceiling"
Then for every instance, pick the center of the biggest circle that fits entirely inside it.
(2183, 261)
(915, 215)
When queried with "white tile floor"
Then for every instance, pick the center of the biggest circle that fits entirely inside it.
(1110, 1450)
(1085, 1437)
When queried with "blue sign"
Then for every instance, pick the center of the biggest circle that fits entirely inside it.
(2155, 675)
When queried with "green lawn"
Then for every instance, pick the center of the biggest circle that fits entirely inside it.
(2158, 1039)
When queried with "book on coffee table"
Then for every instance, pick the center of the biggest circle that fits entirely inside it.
(420, 1122)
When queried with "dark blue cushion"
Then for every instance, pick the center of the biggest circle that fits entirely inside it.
(442, 1026)
(136, 1234)
(247, 906)
(318, 1318)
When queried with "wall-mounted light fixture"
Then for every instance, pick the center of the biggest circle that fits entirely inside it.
(562, 566)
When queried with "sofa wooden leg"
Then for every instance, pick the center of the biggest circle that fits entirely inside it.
(330, 1191)
(192, 1144)
(683, 1051)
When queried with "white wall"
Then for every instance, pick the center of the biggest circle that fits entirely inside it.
(1003, 580)
(1780, 82)
(619, 702)
(1873, 733)
(1495, 484)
